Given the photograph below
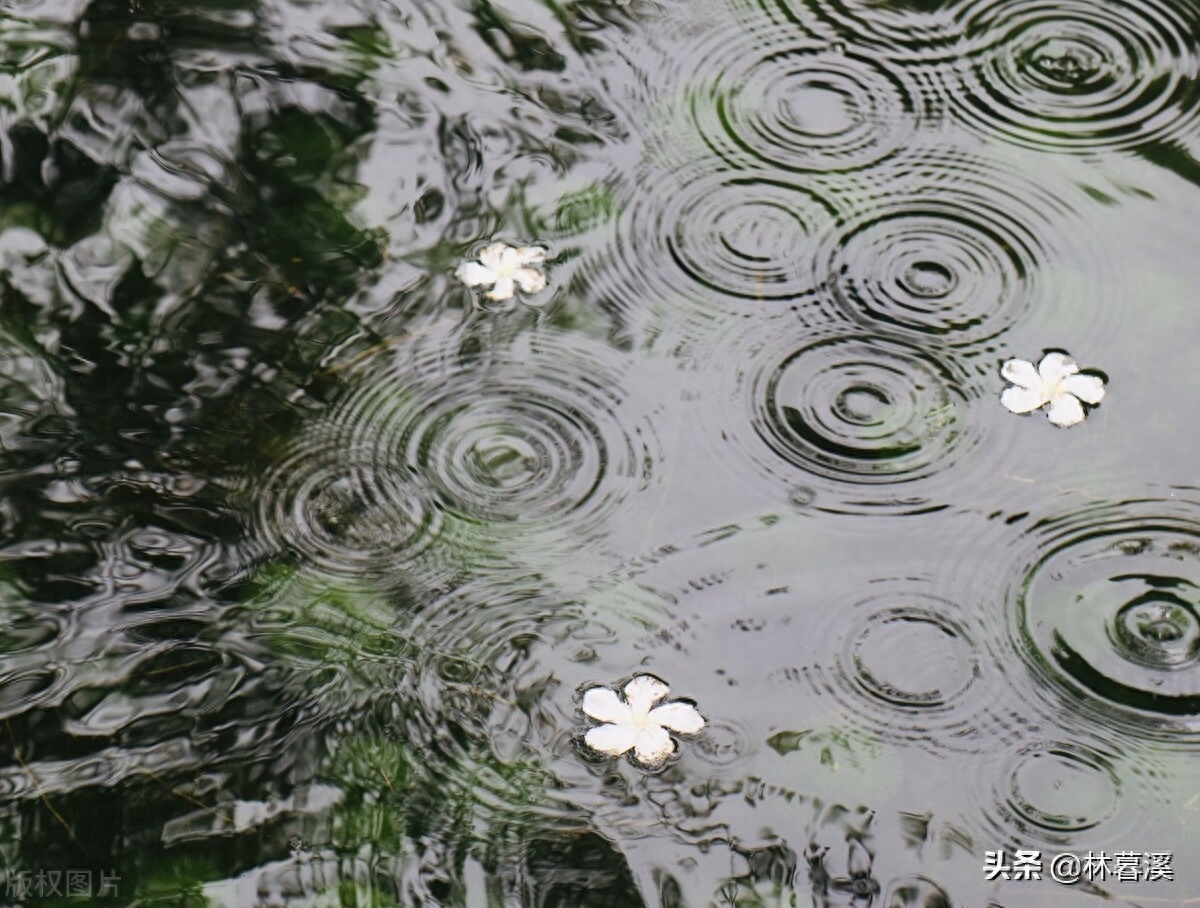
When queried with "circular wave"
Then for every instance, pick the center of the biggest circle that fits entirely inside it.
(437, 454)
(1108, 610)
(344, 508)
(856, 408)
(704, 241)
(1079, 74)
(910, 668)
(739, 236)
(723, 744)
(908, 665)
(957, 247)
(801, 107)
(502, 457)
(867, 422)
(534, 434)
(912, 656)
(910, 31)
(1053, 791)
(933, 266)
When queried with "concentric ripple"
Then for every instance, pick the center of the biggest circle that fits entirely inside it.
(856, 408)
(912, 31)
(938, 664)
(533, 434)
(1108, 610)
(933, 266)
(1052, 791)
(713, 241)
(910, 666)
(957, 247)
(436, 454)
(344, 508)
(805, 108)
(1080, 73)
(870, 422)
(740, 235)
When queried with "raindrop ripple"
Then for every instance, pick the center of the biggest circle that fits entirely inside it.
(914, 33)
(871, 423)
(959, 247)
(804, 107)
(1054, 792)
(534, 433)
(1079, 74)
(341, 507)
(910, 668)
(1108, 611)
(701, 242)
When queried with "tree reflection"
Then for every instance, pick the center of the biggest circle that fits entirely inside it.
(183, 257)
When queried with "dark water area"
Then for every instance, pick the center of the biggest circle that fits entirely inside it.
(309, 552)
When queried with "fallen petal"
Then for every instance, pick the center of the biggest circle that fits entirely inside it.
(1054, 367)
(681, 717)
(1065, 410)
(653, 746)
(1088, 388)
(529, 280)
(1021, 400)
(503, 290)
(604, 705)
(1022, 373)
(531, 254)
(643, 692)
(493, 255)
(474, 274)
(613, 739)
(510, 259)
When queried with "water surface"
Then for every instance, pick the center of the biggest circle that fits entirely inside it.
(307, 554)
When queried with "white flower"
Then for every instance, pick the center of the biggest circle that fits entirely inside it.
(1056, 381)
(632, 723)
(504, 268)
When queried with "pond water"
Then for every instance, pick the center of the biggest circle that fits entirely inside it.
(309, 551)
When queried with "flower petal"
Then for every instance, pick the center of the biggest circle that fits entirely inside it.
(1065, 410)
(1088, 388)
(1022, 400)
(474, 274)
(604, 705)
(492, 255)
(1054, 367)
(529, 280)
(613, 739)
(653, 746)
(510, 259)
(681, 717)
(642, 693)
(1021, 373)
(529, 255)
(503, 290)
